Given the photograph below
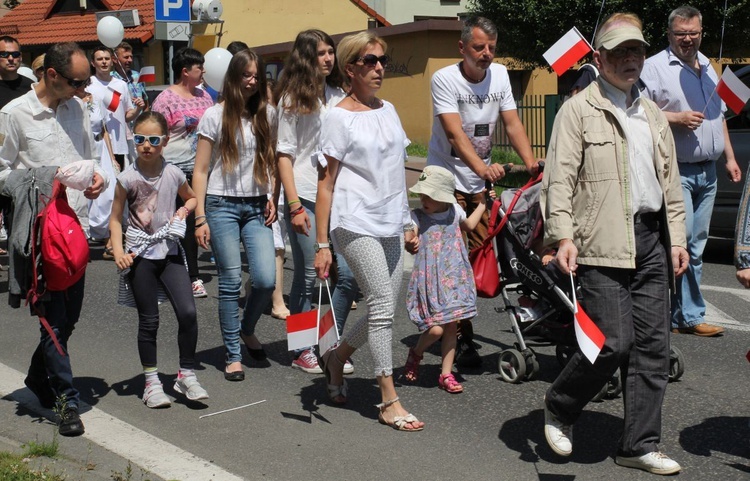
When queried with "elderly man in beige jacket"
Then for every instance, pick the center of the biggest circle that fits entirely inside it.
(612, 204)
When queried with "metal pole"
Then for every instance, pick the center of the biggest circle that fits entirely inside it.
(170, 57)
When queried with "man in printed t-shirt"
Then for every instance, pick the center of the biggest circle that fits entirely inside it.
(467, 98)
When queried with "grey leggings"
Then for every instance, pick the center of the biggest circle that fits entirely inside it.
(377, 264)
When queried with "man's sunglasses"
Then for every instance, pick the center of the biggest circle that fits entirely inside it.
(10, 54)
(154, 140)
(371, 60)
(76, 84)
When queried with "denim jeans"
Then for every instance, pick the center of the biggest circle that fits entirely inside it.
(631, 308)
(699, 192)
(233, 220)
(62, 311)
(303, 282)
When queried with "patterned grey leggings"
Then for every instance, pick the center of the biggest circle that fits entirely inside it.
(377, 264)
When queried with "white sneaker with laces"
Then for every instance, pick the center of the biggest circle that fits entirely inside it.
(655, 462)
(559, 435)
(190, 387)
(154, 396)
(199, 290)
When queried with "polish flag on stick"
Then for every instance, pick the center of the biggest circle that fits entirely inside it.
(328, 334)
(112, 100)
(733, 91)
(302, 330)
(147, 74)
(567, 51)
(590, 338)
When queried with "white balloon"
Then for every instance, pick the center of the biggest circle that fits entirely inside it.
(110, 31)
(216, 64)
(27, 72)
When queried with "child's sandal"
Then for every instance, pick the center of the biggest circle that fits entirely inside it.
(411, 370)
(448, 383)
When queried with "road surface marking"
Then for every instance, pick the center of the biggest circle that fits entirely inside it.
(714, 315)
(141, 448)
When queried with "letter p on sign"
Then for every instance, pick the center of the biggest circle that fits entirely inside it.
(172, 10)
(171, 4)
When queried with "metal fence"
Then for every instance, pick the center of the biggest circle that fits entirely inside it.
(537, 113)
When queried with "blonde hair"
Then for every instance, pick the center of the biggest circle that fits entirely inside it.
(351, 47)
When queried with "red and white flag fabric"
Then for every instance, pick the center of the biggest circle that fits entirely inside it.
(328, 335)
(302, 330)
(147, 74)
(112, 99)
(590, 338)
(733, 91)
(567, 51)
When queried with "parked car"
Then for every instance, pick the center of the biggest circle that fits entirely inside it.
(724, 218)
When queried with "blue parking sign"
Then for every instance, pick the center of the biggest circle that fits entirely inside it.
(172, 10)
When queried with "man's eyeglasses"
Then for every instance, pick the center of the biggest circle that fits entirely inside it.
(76, 84)
(684, 35)
(154, 140)
(622, 52)
(10, 54)
(371, 60)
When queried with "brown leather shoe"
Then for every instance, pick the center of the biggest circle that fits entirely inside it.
(704, 330)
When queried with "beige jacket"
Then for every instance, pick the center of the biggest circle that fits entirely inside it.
(585, 191)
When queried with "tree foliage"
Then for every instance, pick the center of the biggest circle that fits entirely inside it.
(527, 28)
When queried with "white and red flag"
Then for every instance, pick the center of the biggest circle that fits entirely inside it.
(328, 335)
(147, 74)
(590, 338)
(112, 99)
(733, 91)
(302, 330)
(567, 51)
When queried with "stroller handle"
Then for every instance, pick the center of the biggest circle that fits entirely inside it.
(512, 169)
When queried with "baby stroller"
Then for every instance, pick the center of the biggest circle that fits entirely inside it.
(544, 310)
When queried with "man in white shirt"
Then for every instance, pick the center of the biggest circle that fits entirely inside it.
(468, 98)
(48, 126)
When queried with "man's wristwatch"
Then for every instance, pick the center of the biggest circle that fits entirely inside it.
(321, 245)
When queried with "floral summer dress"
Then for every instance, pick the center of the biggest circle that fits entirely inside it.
(441, 289)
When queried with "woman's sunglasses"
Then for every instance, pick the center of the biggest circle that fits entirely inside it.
(10, 54)
(371, 60)
(76, 84)
(154, 140)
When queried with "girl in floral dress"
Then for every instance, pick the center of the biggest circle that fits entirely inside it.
(441, 290)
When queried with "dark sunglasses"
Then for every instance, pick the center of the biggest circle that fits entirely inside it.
(10, 54)
(154, 140)
(622, 52)
(371, 60)
(76, 84)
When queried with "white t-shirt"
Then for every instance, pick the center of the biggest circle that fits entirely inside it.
(115, 121)
(370, 193)
(479, 106)
(299, 138)
(240, 182)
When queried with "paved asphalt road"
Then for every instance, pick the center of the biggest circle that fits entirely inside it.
(493, 431)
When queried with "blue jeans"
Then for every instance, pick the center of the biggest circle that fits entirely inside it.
(303, 282)
(699, 192)
(62, 311)
(233, 220)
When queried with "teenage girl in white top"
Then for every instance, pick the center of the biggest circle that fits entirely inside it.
(364, 191)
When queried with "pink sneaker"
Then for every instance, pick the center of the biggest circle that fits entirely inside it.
(307, 362)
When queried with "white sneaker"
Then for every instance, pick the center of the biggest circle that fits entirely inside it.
(190, 387)
(198, 289)
(154, 396)
(655, 462)
(559, 436)
(3, 234)
(348, 367)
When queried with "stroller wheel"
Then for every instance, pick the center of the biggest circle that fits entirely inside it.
(610, 390)
(564, 353)
(676, 364)
(512, 366)
(532, 365)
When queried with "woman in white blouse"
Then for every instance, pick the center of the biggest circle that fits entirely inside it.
(362, 195)
(234, 165)
(309, 87)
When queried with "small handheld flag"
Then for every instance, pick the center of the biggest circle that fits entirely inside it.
(567, 51)
(733, 91)
(147, 74)
(590, 338)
